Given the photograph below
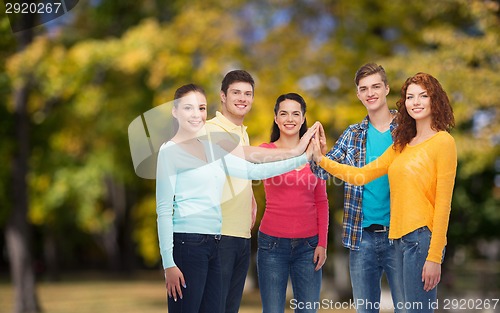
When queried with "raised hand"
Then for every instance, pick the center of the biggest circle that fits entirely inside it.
(316, 150)
(310, 151)
(306, 138)
(322, 139)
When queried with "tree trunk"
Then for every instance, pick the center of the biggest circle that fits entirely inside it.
(113, 239)
(51, 255)
(18, 231)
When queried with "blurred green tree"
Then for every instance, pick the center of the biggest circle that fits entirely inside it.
(18, 234)
(112, 62)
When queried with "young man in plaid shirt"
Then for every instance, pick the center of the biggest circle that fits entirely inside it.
(367, 208)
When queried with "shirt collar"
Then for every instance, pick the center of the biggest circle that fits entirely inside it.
(227, 124)
(364, 122)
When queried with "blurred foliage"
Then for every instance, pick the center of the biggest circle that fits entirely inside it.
(110, 62)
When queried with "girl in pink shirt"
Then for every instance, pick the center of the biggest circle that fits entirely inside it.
(293, 232)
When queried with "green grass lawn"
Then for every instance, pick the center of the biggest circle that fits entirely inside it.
(96, 293)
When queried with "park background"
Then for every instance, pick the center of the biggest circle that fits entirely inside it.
(80, 227)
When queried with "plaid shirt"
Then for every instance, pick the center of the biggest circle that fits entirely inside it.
(350, 149)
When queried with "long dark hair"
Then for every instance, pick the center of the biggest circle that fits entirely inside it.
(441, 110)
(181, 92)
(275, 131)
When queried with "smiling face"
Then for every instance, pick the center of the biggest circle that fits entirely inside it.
(190, 112)
(418, 103)
(237, 102)
(372, 92)
(289, 118)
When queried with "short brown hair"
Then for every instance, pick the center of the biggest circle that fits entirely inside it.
(370, 69)
(234, 77)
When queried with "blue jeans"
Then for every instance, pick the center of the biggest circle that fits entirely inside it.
(196, 255)
(234, 253)
(279, 258)
(376, 255)
(411, 251)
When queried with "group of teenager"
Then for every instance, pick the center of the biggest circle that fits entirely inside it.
(399, 170)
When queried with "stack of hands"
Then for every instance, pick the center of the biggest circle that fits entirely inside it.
(313, 143)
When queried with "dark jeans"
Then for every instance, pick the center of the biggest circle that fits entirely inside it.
(234, 254)
(196, 255)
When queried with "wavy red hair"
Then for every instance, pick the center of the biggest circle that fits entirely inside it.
(441, 110)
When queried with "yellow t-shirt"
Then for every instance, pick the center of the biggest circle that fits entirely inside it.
(421, 180)
(236, 202)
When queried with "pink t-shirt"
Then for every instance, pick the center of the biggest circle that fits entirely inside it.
(296, 205)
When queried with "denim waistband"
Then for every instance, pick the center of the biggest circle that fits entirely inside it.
(283, 238)
(377, 228)
(242, 239)
(195, 236)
